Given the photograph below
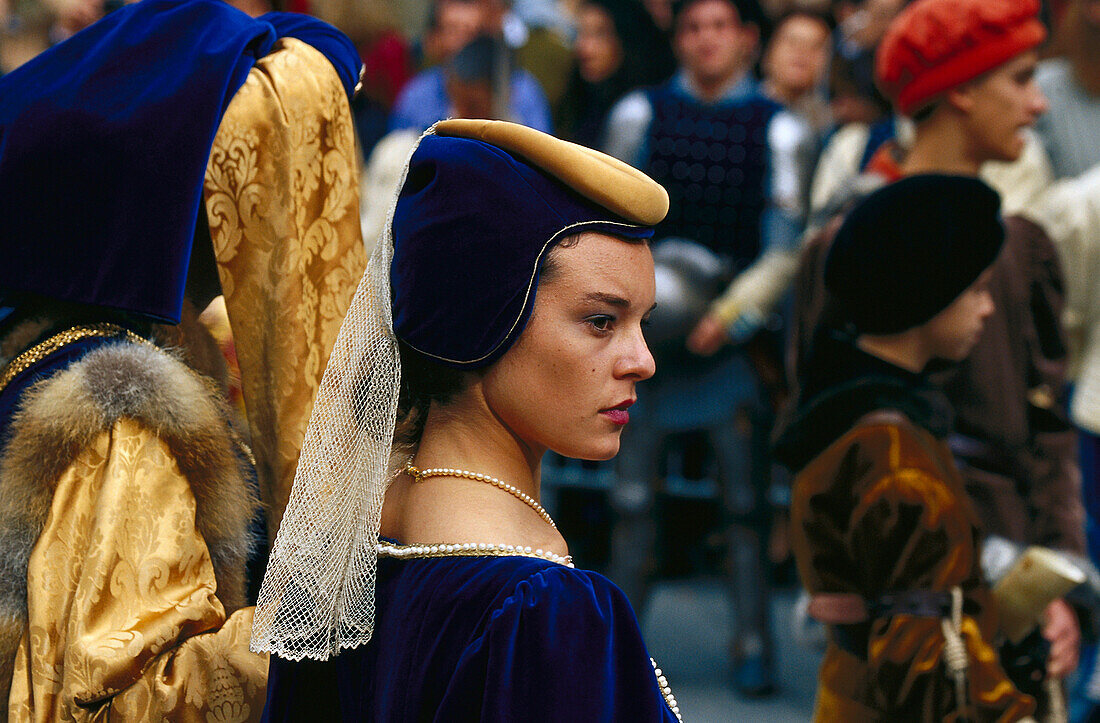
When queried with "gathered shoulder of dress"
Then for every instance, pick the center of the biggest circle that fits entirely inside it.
(482, 638)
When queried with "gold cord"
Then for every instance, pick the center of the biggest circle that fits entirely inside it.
(55, 343)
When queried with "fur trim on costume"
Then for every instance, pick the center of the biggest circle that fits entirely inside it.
(60, 416)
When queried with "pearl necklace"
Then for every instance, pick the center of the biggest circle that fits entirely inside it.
(422, 474)
(666, 691)
(469, 549)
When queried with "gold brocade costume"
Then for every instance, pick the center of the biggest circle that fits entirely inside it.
(124, 515)
(282, 196)
(883, 509)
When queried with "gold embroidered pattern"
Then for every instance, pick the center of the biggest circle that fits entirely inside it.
(125, 621)
(281, 194)
(55, 343)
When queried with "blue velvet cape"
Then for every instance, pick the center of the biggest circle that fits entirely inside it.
(104, 141)
(481, 639)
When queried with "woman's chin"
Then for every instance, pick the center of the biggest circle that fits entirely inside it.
(592, 452)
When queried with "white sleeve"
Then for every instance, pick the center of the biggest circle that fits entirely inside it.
(1023, 181)
(1069, 212)
(839, 164)
(627, 125)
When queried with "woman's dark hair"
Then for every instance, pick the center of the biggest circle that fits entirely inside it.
(423, 381)
(647, 59)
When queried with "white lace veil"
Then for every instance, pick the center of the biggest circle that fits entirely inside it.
(317, 596)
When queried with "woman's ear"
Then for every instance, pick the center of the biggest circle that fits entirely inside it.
(961, 98)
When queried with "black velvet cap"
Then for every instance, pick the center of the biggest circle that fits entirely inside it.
(474, 222)
(911, 248)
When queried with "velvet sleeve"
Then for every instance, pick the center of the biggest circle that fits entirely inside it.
(909, 533)
(565, 646)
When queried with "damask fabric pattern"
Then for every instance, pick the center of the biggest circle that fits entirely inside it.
(281, 195)
(125, 590)
(883, 509)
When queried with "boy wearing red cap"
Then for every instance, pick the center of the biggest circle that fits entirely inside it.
(963, 70)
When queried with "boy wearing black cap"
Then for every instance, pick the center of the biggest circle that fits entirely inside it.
(884, 535)
(963, 70)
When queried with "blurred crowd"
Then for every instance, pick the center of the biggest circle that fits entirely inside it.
(761, 120)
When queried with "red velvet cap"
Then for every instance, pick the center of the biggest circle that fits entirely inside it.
(936, 45)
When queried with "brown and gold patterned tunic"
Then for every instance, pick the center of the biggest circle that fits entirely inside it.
(878, 507)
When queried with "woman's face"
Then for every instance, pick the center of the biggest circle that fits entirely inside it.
(567, 382)
(597, 47)
(798, 55)
(1001, 105)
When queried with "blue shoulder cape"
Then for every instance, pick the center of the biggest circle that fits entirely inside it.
(482, 639)
(104, 141)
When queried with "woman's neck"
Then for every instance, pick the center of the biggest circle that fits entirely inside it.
(468, 436)
(940, 148)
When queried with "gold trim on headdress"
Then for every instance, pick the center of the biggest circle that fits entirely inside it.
(597, 176)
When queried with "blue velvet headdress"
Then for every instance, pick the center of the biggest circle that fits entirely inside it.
(471, 229)
(104, 141)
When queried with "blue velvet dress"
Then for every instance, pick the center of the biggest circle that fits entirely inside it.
(482, 639)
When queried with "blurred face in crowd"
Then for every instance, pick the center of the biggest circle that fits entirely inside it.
(952, 333)
(568, 381)
(457, 23)
(798, 55)
(866, 25)
(75, 15)
(998, 107)
(469, 99)
(711, 43)
(493, 12)
(598, 50)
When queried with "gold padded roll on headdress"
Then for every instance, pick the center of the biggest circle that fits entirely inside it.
(597, 176)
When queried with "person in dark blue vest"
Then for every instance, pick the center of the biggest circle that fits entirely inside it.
(726, 154)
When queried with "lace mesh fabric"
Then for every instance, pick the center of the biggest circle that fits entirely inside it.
(317, 596)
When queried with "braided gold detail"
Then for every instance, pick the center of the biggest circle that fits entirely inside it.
(59, 341)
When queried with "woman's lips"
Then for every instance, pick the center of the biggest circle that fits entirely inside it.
(618, 413)
(618, 416)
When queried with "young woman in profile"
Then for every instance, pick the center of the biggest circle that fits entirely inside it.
(415, 566)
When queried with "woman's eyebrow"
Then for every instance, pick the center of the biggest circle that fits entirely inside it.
(611, 299)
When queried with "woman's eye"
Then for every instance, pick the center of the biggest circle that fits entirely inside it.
(600, 322)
